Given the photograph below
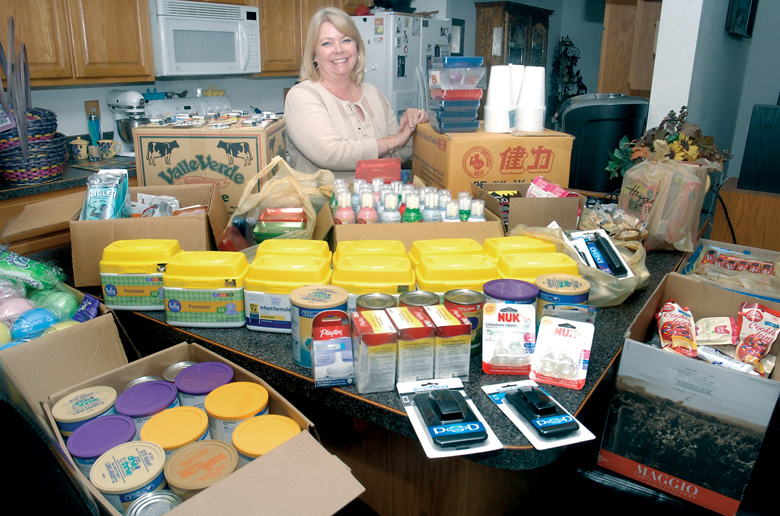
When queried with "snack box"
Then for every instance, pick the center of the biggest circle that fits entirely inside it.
(660, 393)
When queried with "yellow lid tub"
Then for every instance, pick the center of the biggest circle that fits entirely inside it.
(441, 246)
(286, 246)
(206, 270)
(368, 248)
(498, 246)
(453, 271)
(141, 256)
(361, 275)
(528, 266)
(283, 273)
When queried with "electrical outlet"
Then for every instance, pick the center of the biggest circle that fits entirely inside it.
(92, 104)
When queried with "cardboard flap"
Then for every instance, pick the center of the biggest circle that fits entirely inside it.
(298, 477)
(44, 217)
(535, 212)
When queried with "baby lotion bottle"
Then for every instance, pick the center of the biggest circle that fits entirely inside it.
(451, 213)
(477, 211)
(431, 212)
(412, 212)
(391, 213)
(367, 213)
(344, 213)
(356, 186)
(445, 196)
(464, 205)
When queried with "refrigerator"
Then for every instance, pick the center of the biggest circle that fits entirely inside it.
(399, 52)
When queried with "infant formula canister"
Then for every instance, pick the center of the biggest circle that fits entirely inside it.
(144, 400)
(128, 471)
(498, 246)
(205, 289)
(360, 275)
(198, 380)
(419, 298)
(131, 273)
(96, 437)
(288, 246)
(170, 373)
(176, 427)
(142, 379)
(529, 266)
(510, 291)
(470, 303)
(198, 465)
(270, 280)
(556, 289)
(233, 403)
(441, 273)
(154, 503)
(443, 246)
(305, 303)
(257, 436)
(83, 405)
(375, 301)
(368, 249)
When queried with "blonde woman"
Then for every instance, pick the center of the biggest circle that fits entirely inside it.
(333, 118)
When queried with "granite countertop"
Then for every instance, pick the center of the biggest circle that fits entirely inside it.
(74, 175)
(269, 356)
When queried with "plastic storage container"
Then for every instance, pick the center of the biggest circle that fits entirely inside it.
(529, 266)
(457, 78)
(275, 222)
(453, 105)
(360, 275)
(131, 273)
(441, 94)
(454, 127)
(205, 289)
(368, 249)
(454, 271)
(231, 404)
(457, 62)
(498, 246)
(270, 280)
(439, 246)
(310, 248)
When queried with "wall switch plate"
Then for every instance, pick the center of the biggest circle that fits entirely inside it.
(90, 104)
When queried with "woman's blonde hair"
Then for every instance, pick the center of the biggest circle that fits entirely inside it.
(345, 25)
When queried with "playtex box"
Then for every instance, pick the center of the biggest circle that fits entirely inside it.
(227, 158)
(682, 425)
(457, 160)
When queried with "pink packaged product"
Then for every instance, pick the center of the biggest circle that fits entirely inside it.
(758, 327)
(676, 329)
(542, 188)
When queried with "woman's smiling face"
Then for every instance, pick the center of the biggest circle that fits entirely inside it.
(336, 54)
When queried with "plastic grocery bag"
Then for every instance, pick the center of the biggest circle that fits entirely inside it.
(283, 187)
(667, 195)
(605, 289)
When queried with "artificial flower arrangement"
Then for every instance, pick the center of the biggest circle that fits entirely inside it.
(675, 138)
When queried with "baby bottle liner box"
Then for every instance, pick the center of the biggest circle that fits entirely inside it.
(331, 349)
(374, 347)
(131, 273)
(205, 289)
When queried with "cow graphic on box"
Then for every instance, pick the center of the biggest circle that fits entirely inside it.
(236, 150)
(160, 150)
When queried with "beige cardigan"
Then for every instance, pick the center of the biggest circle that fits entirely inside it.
(324, 132)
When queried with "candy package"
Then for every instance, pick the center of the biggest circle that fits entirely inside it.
(758, 328)
(676, 329)
(717, 331)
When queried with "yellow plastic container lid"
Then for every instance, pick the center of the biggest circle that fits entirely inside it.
(441, 246)
(236, 401)
(363, 274)
(283, 273)
(498, 246)
(141, 256)
(259, 435)
(529, 266)
(286, 246)
(446, 272)
(174, 427)
(206, 270)
(368, 249)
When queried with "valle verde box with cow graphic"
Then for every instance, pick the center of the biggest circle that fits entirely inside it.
(227, 158)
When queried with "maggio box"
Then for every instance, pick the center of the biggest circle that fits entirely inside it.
(227, 158)
(682, 425)
(456, 160)
(271, 483)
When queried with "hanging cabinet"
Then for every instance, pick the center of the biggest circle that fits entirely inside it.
(512, 33)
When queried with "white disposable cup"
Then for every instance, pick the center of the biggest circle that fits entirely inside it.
(529, 119)
(516, 74)
(499, 92)
(499, 119)
(532, 91)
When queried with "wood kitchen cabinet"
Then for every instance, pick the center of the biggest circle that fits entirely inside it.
(83, 41)
(512, 33)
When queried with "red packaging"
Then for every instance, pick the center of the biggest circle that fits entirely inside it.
(677, 329)
(758, 328)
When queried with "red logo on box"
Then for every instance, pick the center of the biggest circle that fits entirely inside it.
(477, 162)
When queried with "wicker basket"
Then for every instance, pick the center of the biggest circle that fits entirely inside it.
(41, 125)
(45, 162)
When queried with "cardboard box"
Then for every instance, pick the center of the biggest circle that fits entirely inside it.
(767, 292)
(456, 160)
(531, 211)
(272, 482)
(325, 229)
(227, 158)
(681, 425)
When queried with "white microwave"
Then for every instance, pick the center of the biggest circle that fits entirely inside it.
(197, 38)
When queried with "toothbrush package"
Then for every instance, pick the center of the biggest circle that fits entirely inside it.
(331, 349)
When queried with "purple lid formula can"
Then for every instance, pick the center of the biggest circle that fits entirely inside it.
(511, 292)
(144, 400)
(198, 380)
(96, 437)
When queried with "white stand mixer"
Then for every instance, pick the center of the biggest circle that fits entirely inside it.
(128, 109)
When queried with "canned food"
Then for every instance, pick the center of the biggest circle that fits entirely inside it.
(197, 381)
(470, 303)
(305, 303)
(419, 298)
(83, 405)
(128, 471)
(230, 405)
(142, 379)
(375, 301)
(96, 437)
(510, 291)
(154, 503)
(144, 400)
(170, 372)
(560, 289)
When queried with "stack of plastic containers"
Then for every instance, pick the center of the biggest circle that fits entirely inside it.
(456, 85)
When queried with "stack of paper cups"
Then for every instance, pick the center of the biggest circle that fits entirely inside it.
(499, 108)
(531, 105)
(516, 73)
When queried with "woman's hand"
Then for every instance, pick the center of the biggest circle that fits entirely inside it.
(411, 118)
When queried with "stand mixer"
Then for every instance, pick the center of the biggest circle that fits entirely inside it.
(128, 109)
